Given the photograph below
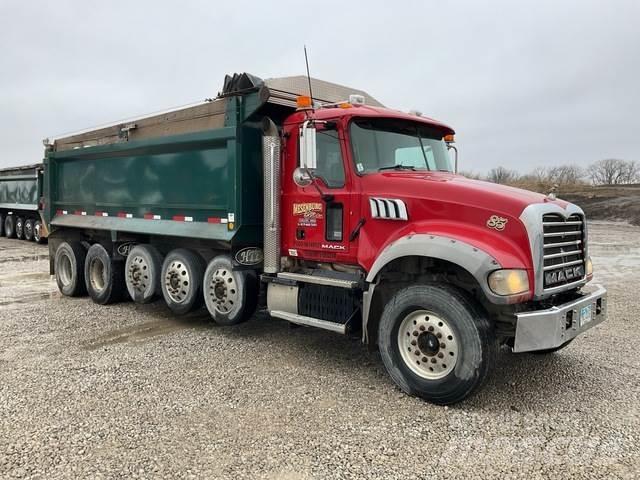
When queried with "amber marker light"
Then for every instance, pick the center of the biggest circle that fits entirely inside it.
(304, 101)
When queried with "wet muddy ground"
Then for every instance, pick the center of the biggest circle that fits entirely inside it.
(130, 391)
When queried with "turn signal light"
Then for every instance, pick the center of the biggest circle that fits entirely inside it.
(449, 138)
(304, 101)
(589, 269)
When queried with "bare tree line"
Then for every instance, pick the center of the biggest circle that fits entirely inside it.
(610, 171)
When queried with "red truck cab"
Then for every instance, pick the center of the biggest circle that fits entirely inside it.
(442, 268)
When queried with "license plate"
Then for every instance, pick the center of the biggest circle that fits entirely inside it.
(585, 315)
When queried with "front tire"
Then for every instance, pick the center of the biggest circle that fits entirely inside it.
(230, 295)
(104, 277)
(436, 343)
(181, 281)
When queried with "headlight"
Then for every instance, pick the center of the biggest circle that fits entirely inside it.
(589, 268)
(509, 282)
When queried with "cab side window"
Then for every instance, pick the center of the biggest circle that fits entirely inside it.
(330, 166)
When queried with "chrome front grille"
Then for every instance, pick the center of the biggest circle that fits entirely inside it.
(564, 250)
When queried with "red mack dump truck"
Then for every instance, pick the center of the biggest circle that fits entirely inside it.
(333, 212)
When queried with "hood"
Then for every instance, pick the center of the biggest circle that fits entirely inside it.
(448, 193)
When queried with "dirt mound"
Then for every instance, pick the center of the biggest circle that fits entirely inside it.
(620, 203)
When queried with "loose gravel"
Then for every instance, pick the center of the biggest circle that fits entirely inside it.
(129, 391)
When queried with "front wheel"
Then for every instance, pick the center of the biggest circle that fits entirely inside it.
(436, 343)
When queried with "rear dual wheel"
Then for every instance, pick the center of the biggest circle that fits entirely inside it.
(10, 226)
(37, 232)
(142, 273)
(69, 269)
(230, 295)
(20, 228)
(181, 280)
(104, 277)
(28, 230)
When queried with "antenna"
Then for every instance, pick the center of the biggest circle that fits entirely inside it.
(306, 60)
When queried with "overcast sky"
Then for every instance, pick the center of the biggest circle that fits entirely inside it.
(524, 83)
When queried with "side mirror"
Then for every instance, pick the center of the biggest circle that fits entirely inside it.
(308, 145)
(301, 177)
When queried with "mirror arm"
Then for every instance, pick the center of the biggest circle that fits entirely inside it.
(455, 156)
(314, 181)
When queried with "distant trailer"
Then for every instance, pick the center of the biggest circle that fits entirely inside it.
(21, 197)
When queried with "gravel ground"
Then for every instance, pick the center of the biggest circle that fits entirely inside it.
(129, 391)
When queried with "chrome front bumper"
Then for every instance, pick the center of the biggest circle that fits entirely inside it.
(550, 328)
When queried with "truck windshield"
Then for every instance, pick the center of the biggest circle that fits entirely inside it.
(387, 144)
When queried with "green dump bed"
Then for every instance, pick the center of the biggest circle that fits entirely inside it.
(21, 187)
(194, 172)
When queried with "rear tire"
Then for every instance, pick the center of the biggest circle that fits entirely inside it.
(2, 217)
(142, 273)
(37, 232)
(69, 267)
(104, 277)
(28, 230)
(181, 281)
(10, 226)
(20, 228)
(436, 343)
(231, 296)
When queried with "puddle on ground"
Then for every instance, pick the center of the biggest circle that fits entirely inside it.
(146, 331)
(9, 279)
(25, 258)
(29, 298)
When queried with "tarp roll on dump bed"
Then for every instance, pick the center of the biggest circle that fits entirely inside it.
(212, 113)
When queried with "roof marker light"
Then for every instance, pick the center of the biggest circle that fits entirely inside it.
(304, 101)
(356, 99)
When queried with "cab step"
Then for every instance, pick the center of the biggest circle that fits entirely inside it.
(310, 321)
(328, 279)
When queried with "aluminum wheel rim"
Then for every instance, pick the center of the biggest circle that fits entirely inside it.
(96, 274)
(36, 233)
(223, 290)
(138, 274)
(177, 281)
(427, 345)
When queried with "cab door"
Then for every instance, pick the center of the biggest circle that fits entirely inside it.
(320, 213)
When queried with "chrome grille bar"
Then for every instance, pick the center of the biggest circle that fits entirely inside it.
(563, 250)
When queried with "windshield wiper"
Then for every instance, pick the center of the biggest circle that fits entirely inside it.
(397, 167)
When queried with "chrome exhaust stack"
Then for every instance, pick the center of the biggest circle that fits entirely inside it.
(271, 169)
